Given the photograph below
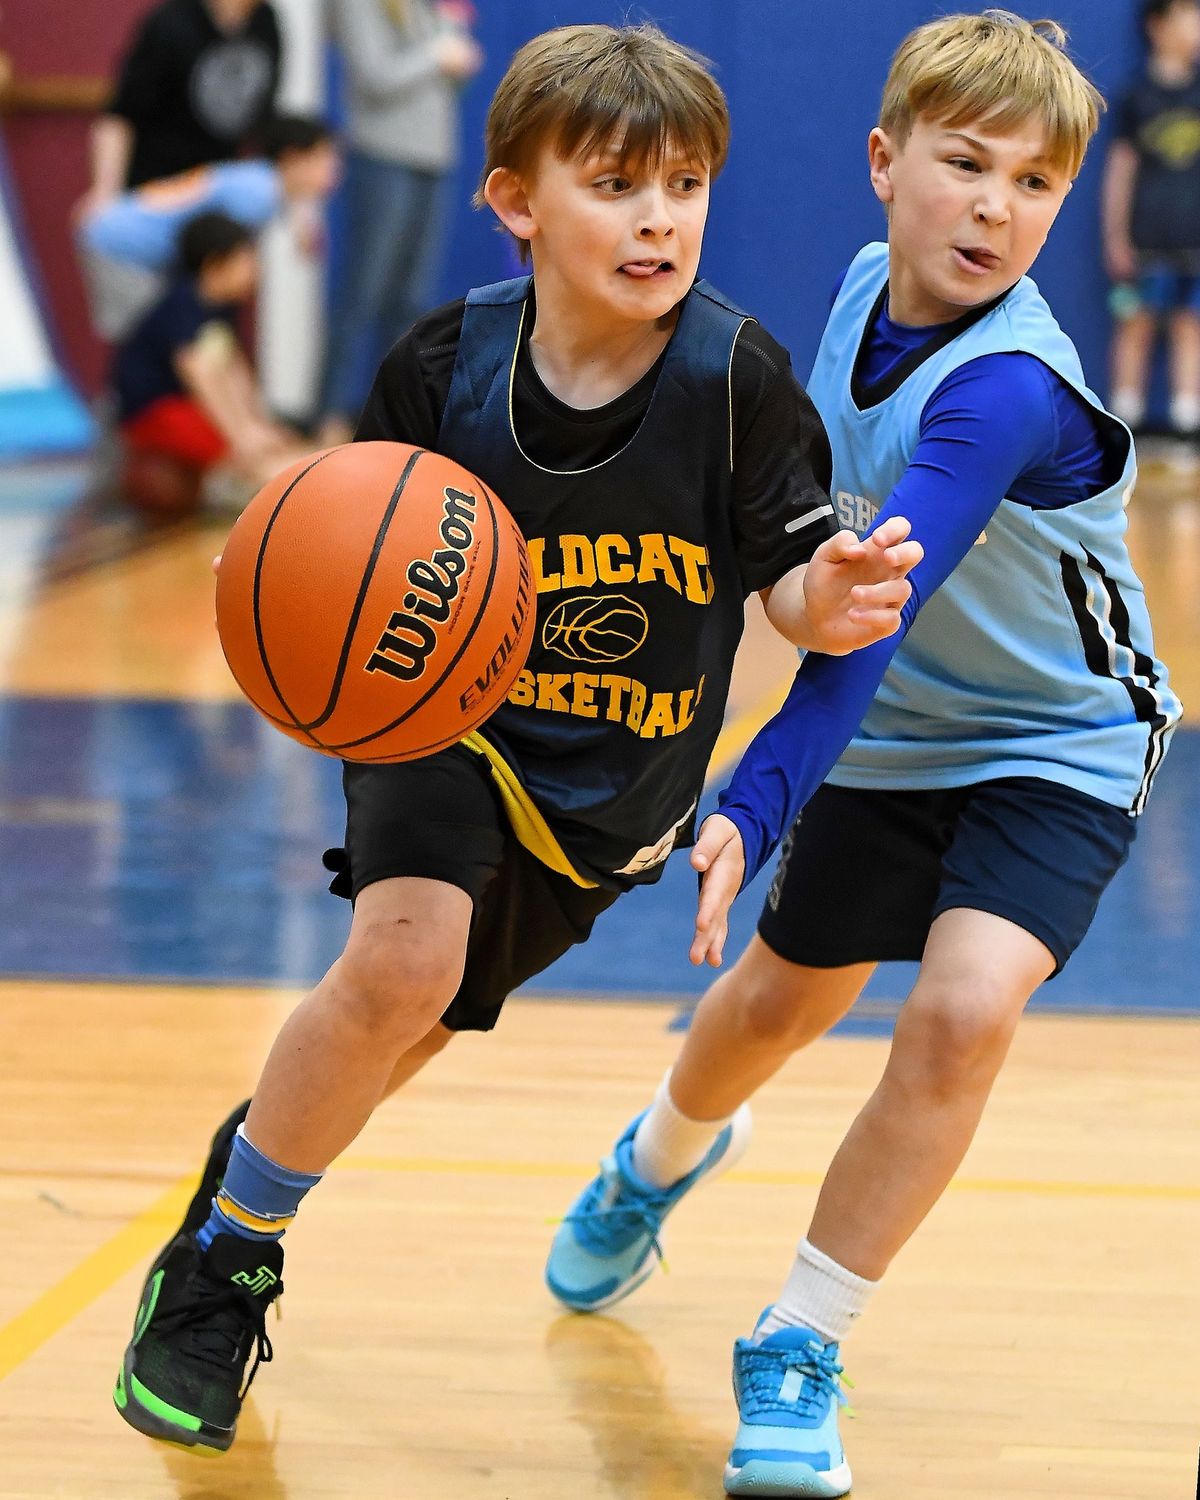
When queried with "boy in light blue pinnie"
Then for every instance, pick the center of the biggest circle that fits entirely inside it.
(1012, 729)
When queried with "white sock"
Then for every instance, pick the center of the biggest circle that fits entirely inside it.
(668, 1145)
(1128, 405)
(1185, 413)
(819, 1294)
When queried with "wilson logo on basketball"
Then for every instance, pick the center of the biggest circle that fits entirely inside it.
(407, 643)
(596, 628)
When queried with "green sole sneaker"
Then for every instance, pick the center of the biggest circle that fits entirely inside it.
(201, 1316)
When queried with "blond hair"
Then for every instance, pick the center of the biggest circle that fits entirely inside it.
(584, 89)
(996, 67)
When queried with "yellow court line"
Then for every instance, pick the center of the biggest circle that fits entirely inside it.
(465, 1167)
(741, 729)
(54, 1309)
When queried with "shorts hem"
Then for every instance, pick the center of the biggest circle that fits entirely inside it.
(1019, 916)
(350, 886)
(824, 958)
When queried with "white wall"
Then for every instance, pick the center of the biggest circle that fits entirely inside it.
(291, 322)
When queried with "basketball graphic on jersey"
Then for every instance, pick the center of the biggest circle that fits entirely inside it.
(596, 629)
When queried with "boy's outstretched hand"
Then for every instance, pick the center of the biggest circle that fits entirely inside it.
(854, 590)
(718, 857)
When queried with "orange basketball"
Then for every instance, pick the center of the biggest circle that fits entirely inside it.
(375, 601)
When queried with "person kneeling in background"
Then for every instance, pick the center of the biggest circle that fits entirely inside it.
(128, 246)
(191, 414)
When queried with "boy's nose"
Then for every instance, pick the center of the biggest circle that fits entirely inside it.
(656, 220)
(991, 207)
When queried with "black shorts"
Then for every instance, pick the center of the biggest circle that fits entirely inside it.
(441, 819)
(863, 874)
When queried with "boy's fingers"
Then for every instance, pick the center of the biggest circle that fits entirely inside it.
(841, 546)
(715, 835)
(718, 853)
(905, 556)
(893, 530)
(716, 898)
(892, 593)
(873, 624)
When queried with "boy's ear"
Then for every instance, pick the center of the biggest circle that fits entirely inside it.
(880, 154)
(506, 196)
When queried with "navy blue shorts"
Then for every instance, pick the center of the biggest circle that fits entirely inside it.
(863, 874)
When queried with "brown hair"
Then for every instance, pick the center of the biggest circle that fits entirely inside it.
(996, 67)
(582, 88)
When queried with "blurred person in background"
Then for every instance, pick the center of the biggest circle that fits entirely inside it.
(192, 418)
(1151, 206)
(128, 245)
(405, 62)
(198, 78)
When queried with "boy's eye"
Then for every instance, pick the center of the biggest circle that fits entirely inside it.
(965, 163)
(613, 184)
(1038, 184)
(688, 183)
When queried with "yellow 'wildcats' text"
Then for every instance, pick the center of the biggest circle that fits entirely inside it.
(578, 562)
(596, 695)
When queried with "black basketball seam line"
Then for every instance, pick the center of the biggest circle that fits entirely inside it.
(468, 638)
(455, 739)
(258, 708)
(458, 655)
(364, 585)
(258, 565)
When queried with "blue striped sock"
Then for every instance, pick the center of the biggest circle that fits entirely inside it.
(258, 1188)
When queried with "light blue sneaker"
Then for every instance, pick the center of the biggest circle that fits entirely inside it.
(611, 1240)
(788, 1391)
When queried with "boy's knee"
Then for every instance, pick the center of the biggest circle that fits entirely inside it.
(390, 973)
(956, 1031)
(779, 1004)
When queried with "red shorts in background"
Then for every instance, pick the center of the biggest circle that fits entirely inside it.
(179, 428)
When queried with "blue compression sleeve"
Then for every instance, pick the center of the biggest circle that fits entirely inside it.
(984, 427)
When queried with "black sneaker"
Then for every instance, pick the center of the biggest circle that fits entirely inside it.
(202, 1314)
(214, 1171)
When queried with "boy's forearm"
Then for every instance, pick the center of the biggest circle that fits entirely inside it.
(244, 388)
(112, 146)
(1120, 175)
(211, 376)
(787, 610)
(792, 754)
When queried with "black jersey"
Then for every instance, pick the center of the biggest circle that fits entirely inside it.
(1162, 123)
(193, 91)
(648, 522)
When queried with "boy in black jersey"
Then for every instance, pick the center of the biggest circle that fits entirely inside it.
(663, 464)
(1152, 219)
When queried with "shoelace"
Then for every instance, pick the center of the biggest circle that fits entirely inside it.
(216, 1320)
(644, 1211)
(823, 1378)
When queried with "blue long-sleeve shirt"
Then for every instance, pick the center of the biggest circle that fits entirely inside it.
(1002, 426)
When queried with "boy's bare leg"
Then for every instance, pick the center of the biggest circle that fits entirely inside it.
(1185, 369)
(336, 1052)
(951, 1038)
(750, 1022)
(417, 1056)
(1130, 358)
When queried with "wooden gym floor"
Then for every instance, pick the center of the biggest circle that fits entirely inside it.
(1037, 1337)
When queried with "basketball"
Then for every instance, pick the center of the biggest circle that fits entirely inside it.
(375, 602)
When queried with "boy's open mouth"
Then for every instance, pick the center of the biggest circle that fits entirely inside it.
(978, 257)
(643, 269)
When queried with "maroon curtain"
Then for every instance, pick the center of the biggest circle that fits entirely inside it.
(48, 152)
